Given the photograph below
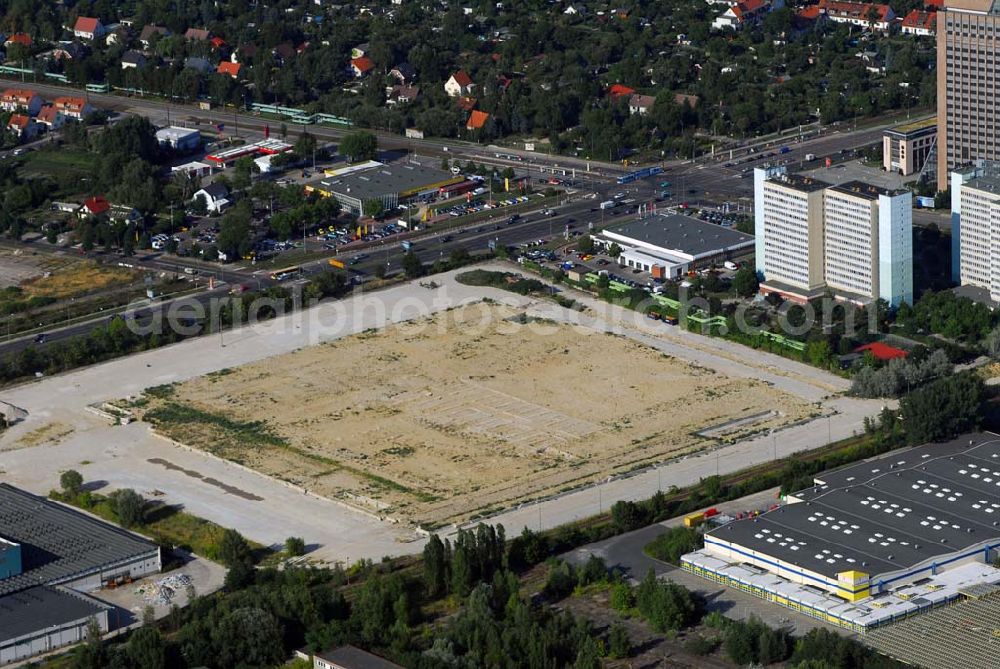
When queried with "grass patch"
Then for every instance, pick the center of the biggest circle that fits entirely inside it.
(170, 416)
(68, 162)
(76, 279)
(165, 524)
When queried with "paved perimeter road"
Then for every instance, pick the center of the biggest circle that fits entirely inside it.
(71, 437)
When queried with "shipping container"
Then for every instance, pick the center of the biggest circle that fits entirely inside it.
(694, 519)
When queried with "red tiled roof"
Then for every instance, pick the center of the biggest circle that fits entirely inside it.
(69, 103)
(19, 95)
(477, 119)
(19, 121)
(85, 25)
(48, 114)
(937, 4)
(748, 7)
(462, 79)
(226, 67)
(97, 204)
(617, 90)
(466, 103)
(858, 10)
(217, 42)
(882, 351)
(23, 39)
(810, 13)
(919, 19)
(363, 64)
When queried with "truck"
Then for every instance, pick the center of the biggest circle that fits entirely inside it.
(608, 204)
(810, 156)
(406, 244)
(729, 264)
(336, 263)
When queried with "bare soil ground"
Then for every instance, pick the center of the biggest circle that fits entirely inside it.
(462, 414)
(57, 276)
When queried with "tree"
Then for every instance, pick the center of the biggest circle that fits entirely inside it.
(234, 549)
(295, 546)
(146, 649)
(585, 244)
(943, 409)
(819, 352)
(129, 507)
(71, 481)
(435, 569)
(745, 282)
(359, 146)
(412, 266)
(588, 656)
(614, 251)
(619, 644)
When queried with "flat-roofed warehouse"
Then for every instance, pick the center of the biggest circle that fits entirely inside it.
(390, 185)
(873, 542)
(673, 244)
(51, 556)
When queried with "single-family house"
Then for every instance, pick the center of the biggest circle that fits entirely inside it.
(199, 64)
(403, 73)
(351, 657)
(477, 120)
(133, 59)
(575, 9)
(745, 13)
(402, 95)
(361, 67)
(617, 91)
(150, 32)
(94, 206)
(73, 106)
(244, 54)
(919, 23)
(459, 84)
(122, 213)
(229, 68)
(218, 43)
(50, 117)
(22, 100)
(640, 104)
(88, 28)
(360, 50)
(19, 39)
(69, 51)
(216, 197)
(22, 126)
(197, 35)
(465, 103)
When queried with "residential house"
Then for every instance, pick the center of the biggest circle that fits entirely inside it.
(402, 95)
(146, 36)
(864, 14)
(19, 39)
(361, 67)
(22, 126)
(617, 91)
(88, 28)
(122, 213)
(50, 117)
(199, 64)
(197, 35)
(132, 59)
(459, 84)
(73, 107)
(403, 73)
(919, 23)
(360, 50)
(640, 104)
(466, 103)
(216, 197)
(21, 99)
(477, 120)
(745, 13)
(69, 51)
(244, 54)
(218, 44)
(94, 206)
(229, 68)
(682, 98)
(351, 657)
(575, 10)
(120, 35)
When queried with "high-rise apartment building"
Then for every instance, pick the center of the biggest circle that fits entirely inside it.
(976, 227)
(854, 239)
(968, 80)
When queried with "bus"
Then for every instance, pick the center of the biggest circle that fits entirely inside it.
(287, 273)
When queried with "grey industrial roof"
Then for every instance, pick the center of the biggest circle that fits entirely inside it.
(885, 514)
(58, 543)
(865, 190)
(800, 182)
(684, 233)
(384, 180)
(987, 182)
(42, 607)
(351, 657)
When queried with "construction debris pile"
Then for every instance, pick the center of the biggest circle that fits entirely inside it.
(163, 591)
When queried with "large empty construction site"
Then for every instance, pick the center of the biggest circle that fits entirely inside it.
(469, 412)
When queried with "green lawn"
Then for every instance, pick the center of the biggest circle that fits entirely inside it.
(66, 166)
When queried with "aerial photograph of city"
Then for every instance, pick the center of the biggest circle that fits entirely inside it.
(518, 334)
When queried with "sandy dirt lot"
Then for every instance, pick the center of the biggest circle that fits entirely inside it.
(58, 276)
(464, 413)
